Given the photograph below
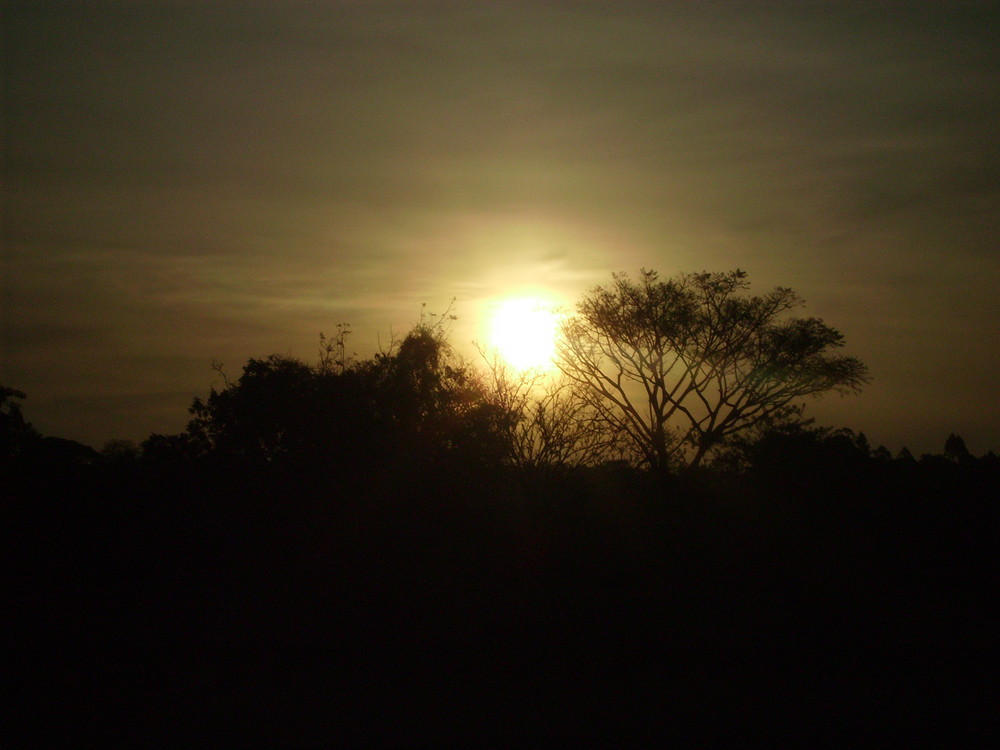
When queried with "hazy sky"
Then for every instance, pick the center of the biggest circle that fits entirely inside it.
(186, 182)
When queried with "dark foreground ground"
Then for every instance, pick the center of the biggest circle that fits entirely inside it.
(294, 608)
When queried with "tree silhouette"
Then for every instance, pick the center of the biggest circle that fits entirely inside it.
(16, 435)
(678, 366)
(955, 450)
(417, 399)
(547, 421)
(265, 415)
(429, 402)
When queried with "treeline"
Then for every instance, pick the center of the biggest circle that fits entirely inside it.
(409, 550)
(216, 587)
(671, 376)
(418, 407)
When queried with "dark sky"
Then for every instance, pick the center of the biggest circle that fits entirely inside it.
(186, 182)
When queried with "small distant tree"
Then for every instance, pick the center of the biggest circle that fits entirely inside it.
(882, 454)
(862, 444)
(679, 366)
(795, 449)
(16, 435)
(172, 449)
(120, 451)
(955, 450)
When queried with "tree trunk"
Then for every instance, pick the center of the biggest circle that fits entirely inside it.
(698, 456)
(661, 457)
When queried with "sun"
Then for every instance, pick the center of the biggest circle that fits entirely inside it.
(524, 332)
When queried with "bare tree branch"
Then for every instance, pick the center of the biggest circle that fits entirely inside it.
(680, 365)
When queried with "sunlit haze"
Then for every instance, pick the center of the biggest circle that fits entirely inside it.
(524, 330)
(190, 182)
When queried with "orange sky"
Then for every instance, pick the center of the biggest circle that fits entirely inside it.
(186, 182)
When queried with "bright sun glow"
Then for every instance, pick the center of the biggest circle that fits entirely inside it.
(524, 332)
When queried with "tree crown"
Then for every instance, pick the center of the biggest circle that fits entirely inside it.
(681, 364)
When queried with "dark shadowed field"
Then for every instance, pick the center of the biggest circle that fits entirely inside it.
(401, 605)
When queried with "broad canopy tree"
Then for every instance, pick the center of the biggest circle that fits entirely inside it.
(677, 366)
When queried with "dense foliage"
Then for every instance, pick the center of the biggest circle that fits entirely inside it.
(416, 403)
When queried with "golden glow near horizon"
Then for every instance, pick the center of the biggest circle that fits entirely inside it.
(523, 331)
